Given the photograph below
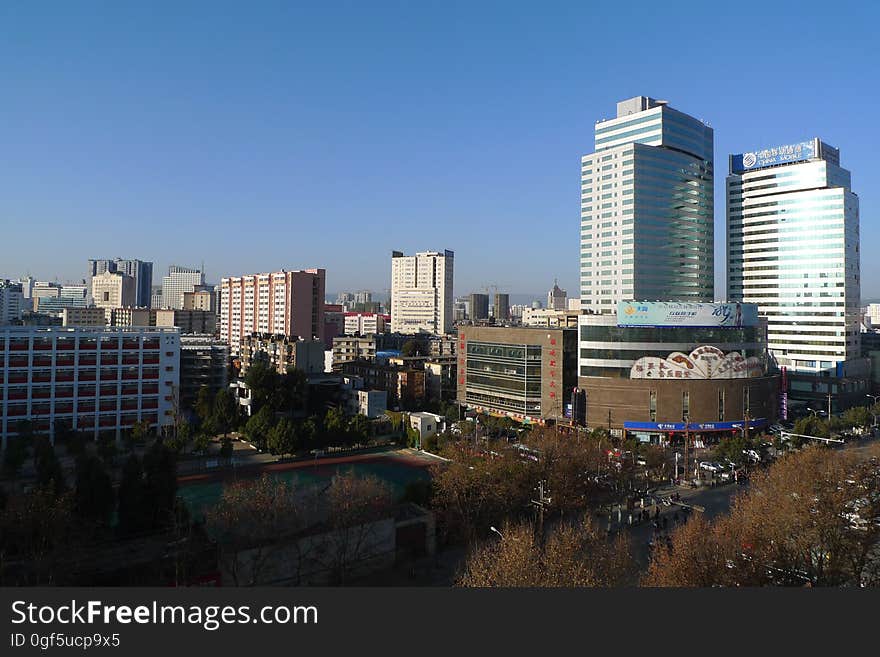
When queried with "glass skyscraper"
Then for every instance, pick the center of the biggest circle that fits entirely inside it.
(647, 210)
(793, 248)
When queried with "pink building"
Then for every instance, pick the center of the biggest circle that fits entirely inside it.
(289, 303)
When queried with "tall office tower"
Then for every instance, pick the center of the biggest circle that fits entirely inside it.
(289, 303)
(793, 248)
(27, 286)
(139, 270)
(647, 208)
(502, 306)
(479, 306)
(556, 298)
(113, 290)
(11, 302)
(421, 292)
(178, 281)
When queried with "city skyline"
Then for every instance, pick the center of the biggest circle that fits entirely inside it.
(181, 155)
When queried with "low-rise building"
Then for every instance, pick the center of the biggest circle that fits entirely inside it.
(405, 387)
(372, 403)
(523, 373)
(84, 316)
(427, 424)
(282, 353)
(204, 361)
(365, 323)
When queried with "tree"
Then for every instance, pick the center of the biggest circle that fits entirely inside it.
(309, 432)
(574, 554)
(336, 425)
(259, 425)
(263, 383)
(201, 443)
(226, 448)
(412, 348)
(14, 455)
(805, 520)
(93, 498)
(107, 449)
(254, 521)
(354, 505)
(135, 514)
(160, 480)
(138, 435)
(283, 437)
(225, 416)
(359, 428)
(204, 406)
(858, 416)
(47, 467)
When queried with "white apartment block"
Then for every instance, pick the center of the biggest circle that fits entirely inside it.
(364, 323)
(93, 379)
(647, 213)
(289, 303)
(421, 292)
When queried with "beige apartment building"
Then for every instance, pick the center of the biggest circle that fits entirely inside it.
(113, 290)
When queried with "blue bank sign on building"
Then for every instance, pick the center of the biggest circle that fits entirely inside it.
(700, 315)
(757, 423)
(799, 152)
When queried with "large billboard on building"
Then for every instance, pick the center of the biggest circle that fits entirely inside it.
(704, 362)
(766, 157)
(699, 315)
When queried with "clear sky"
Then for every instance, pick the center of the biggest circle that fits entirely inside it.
(262, 135)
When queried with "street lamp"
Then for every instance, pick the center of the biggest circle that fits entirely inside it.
(500, 535)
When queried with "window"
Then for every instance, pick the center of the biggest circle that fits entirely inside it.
(685, 405)
(721, 405)
(653, 405)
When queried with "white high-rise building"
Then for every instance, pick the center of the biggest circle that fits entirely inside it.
(421, 292)
(178, 281)
(647, 213)
(793, 249)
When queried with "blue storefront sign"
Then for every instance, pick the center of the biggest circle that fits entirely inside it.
(693, 426)
(766, 157)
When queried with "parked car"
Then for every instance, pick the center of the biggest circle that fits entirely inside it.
(711, 466)
(752, 455)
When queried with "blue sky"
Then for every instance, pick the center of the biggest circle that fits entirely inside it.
(261, 135)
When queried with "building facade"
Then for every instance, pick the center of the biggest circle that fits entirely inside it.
(11, 302)
(501, 306)
(647, 210)
(204, 361)
(661, 367)
(523, 373)
(556, 298)
(479, 305)
(94, 380)
(179, 281)
(421, 292)
(139, 270)
(113, 290)
(289, 303)
(365, 323)
(281, 353)
(793, 249)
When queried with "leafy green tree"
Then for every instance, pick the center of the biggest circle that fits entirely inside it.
(810, 426)
(282, 438)
(259, 425)
(309, 432)
(226, 448)
(262, 382)
(412, 348)
(225, 415)
(135, 514)
(858, 416)
(93, 498)
(204, 406)
(336, 425)
(201, 443)
(359, 428)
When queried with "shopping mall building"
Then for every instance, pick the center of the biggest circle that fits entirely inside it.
(656, 369)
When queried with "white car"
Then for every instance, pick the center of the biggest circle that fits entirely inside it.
(752, 455)
(711, 466)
